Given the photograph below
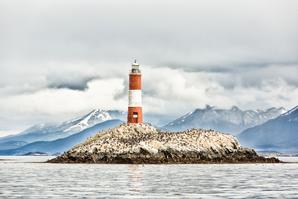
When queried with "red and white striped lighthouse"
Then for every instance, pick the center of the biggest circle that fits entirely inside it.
(135, 95)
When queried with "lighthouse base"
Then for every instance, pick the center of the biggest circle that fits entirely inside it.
(134, 115)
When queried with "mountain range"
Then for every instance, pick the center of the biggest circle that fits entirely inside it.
(279, 134)
(50, 132)
(62, 144)
(56, 138)
(233, 120)
(254, 125)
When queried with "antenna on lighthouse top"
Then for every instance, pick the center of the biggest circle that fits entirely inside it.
(135, 67)
(135, 63)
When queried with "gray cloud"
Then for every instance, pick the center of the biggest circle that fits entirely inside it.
(188, 33)
(192, 53)
(70, 81)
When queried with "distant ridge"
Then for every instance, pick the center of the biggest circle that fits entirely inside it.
(38, 137)
(50, 132)
(279, 134)
(233, 120)
(55, 138)
(63, 144)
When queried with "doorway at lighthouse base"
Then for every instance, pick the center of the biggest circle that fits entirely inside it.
(135, 114)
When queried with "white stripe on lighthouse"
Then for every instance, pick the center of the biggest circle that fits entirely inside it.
(135, 98)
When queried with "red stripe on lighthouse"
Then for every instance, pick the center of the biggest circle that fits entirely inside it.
(135, 81)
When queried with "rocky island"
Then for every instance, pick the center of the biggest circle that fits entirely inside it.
(144, 144)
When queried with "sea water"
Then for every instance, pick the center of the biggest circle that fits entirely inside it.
(29, 177)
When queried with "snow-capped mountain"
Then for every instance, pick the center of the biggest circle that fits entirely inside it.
(94, 117)
(233, 120)
(279, 134)
(63, 144)
(57, 138)
(48, 132)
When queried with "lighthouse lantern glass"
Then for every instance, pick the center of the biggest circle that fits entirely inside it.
(135, 68)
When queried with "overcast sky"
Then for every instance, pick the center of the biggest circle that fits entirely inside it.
(63, 58)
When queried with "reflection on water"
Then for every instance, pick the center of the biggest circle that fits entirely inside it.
(20, 178)
(134, 178)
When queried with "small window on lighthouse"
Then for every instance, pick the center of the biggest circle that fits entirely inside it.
(135, 115)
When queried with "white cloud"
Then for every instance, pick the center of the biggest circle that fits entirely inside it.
(166, 91)
(56, 101)
(175, 91)
(58, 104)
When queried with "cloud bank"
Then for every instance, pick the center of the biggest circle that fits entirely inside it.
(62, 58)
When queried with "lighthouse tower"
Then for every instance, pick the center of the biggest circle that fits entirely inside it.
(135, 95)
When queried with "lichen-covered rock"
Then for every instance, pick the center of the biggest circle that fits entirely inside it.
(142, 143)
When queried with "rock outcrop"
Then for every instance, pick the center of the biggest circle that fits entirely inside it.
(142, 143)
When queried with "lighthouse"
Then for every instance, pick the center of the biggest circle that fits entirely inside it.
(135, 114)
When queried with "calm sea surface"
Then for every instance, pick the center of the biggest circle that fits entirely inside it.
(27, 177)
